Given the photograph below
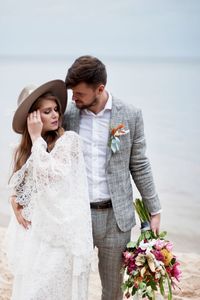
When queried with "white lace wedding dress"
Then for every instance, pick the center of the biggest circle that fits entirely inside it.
(51, 260)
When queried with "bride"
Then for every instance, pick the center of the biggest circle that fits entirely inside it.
(49, 241)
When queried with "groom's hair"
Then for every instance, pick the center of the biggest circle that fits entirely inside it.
(87, 69)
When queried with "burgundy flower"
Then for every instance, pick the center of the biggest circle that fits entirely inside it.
(158, 255)
(127, 295)
(131, 266)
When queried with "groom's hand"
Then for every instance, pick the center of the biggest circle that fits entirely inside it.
(155, 223)
(17, 208)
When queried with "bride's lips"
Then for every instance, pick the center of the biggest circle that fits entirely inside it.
(54, 123)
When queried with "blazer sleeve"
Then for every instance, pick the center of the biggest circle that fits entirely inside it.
(140, 167)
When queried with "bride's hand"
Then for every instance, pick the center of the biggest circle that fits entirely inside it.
(34, 124)
(18, 213)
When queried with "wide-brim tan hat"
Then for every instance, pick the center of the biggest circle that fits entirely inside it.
(30, 94)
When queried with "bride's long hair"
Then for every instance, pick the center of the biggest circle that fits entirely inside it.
(23, 151)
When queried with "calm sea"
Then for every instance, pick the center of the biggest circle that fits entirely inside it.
(168, 93)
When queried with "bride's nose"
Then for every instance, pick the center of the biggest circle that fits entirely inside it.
(54, 114)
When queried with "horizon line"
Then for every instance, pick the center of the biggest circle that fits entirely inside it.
(150, 58)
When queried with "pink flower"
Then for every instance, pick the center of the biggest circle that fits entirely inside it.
(129, 261)
(160, 244)
(169, 246)
(175, 271)
(127, 254)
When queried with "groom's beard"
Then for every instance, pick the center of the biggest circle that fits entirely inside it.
(93, 102)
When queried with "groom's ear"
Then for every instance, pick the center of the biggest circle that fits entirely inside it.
(101, 88)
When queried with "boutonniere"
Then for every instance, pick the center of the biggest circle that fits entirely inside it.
(115, 134)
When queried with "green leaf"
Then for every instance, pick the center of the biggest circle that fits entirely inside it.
(147, 234)
(169, 287)
(142, 285)
(173, 261)
(123, 287)
(162, 234)
(131, 244)
(153, 285)
(162, 290)
(134, 290)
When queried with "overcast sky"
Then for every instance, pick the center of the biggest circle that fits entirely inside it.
(106, 27)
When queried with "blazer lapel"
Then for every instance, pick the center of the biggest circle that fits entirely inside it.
(114, 121)
(75, 119)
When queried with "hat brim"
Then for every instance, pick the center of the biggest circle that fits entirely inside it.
(56, 87)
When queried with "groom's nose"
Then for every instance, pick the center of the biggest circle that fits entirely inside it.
(73, 97)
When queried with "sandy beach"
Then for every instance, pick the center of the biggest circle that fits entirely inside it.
(189, 285)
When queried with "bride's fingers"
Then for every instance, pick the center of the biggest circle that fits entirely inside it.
(33, 117)
(30, 117)
(38, 115)
(21, 219)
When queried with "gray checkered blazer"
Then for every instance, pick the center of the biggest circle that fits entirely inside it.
(129, 161)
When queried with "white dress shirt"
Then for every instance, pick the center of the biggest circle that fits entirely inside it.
(94, 131)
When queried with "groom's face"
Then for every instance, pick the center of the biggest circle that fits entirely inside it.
(85, 96)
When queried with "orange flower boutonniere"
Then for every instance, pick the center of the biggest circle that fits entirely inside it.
(115, 134)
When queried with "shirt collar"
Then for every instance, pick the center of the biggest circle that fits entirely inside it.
(108, 105)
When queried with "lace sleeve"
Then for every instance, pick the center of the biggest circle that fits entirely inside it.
(21, 183)
(44, 171)
(41, 171)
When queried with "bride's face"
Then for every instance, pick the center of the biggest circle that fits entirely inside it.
(49, 113)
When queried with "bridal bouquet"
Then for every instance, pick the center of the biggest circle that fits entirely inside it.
(149, 264)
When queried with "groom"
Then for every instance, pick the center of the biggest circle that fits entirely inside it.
(93, 113)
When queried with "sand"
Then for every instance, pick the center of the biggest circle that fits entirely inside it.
(189, 285)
